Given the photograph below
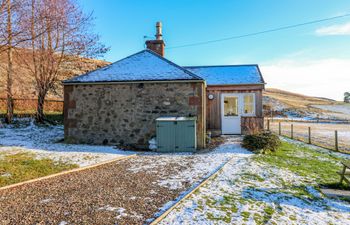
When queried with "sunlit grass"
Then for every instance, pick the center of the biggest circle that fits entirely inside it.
(307, 162)
(23, 166)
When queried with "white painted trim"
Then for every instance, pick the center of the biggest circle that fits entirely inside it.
(240, 111)
(254, 105)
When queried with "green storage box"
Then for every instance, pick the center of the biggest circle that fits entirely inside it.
(176, 134)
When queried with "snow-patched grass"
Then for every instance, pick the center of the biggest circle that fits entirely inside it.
(24, 166)
(322, 134)
(281, 188)
(194, 167)
(46, 142)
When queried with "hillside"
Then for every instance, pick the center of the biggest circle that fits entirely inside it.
(24, 83)
(282, 103)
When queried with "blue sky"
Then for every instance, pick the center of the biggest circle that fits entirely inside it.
(285, 57)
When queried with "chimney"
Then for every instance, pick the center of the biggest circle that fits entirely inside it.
(157, 45)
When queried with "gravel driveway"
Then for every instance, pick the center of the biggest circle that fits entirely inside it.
(131, 191)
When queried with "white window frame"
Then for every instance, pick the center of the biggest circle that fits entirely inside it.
(254, 110)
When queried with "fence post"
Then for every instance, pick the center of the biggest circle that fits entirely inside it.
(336, 140)
(268, 124)
(309, 135)
(291, 131)
(279, 128)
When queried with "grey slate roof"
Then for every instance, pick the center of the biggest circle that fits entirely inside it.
(226, 75)
(149, 66)
(142, 66)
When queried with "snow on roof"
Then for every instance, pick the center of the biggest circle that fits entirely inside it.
(142, 66)
(225, 75)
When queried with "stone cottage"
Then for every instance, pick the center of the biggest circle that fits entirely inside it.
(119, 103)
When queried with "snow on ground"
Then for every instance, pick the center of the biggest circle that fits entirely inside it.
(250, 192)
(118, 210)
(344, 108)
(45, 142)
(195, 166)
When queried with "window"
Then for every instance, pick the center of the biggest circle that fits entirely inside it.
(231, 106)
(249, 102)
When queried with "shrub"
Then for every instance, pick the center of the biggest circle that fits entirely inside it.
(263, 142)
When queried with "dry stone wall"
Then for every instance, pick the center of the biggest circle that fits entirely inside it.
(124, 114)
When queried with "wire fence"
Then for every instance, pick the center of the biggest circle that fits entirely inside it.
(29, 106)
(333, 136)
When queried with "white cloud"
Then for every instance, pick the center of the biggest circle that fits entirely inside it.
(341, 29)
(324, 78)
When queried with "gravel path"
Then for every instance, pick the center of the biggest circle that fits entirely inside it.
(124, 192)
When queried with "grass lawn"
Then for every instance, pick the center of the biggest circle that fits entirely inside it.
(15, 168)
(315, 164)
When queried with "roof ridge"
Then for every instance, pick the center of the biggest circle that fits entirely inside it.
(229, 74)
(174, 64)
(191, 75)
(236, 65)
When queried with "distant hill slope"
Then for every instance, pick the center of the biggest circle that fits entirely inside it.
(290, 99)
(288, 104)
(24, 83)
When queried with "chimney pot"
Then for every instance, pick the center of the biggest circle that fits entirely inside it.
(159, 35)
(158, 44)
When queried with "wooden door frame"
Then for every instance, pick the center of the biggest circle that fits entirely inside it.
(239, 105)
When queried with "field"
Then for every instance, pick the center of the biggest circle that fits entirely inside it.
(322, 134)
(284, 104)
(345, 108)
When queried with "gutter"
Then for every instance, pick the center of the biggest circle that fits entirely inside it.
(210, 85)
(133, 82)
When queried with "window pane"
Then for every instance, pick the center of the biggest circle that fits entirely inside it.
(230, 106)
(249, 104)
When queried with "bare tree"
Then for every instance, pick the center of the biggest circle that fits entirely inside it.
(9, 112)
(8, 36)
(60, 34)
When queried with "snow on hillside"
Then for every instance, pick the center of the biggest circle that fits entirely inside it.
(345, 108)
(296, 106)
(274, 103)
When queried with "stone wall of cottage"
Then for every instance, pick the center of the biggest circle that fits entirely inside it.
(124, 114)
